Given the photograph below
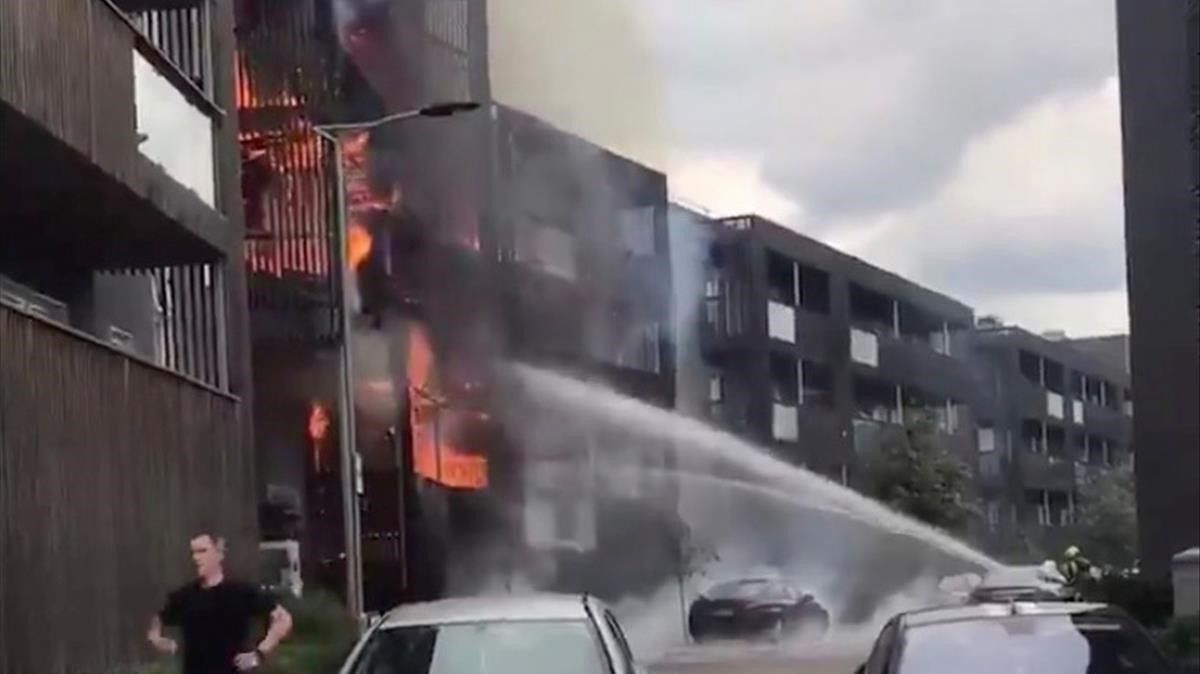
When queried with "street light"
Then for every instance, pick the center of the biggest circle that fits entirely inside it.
(347, 446)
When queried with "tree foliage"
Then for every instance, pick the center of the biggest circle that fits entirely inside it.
(911, 471)
(1106, 516)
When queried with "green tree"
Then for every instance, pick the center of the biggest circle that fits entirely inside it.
(911, 471)
(1106, 518)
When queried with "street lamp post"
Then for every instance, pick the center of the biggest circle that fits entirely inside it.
(347, 444)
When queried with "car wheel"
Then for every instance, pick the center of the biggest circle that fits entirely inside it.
(813, 624)
(776, 632)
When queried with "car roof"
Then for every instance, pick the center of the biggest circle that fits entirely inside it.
(496, 608)
(932, 616)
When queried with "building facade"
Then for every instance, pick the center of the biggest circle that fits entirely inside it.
(124, 380)
(1158, 51)
(1049, 415)
(476, 242)
(809, 351)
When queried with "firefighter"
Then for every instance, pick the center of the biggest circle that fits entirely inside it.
(1077, 570)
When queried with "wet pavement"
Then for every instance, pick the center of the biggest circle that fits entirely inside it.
(831, 657)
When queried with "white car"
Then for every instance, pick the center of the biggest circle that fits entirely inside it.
(530, 634)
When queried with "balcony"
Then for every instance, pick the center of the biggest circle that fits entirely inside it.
(107, 143)
(1041, 471)
(91, 438)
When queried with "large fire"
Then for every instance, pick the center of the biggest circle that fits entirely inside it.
(436, 426)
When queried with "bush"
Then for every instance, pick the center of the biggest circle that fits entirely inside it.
(1151, 603)
(1181, 639)
(322, 635)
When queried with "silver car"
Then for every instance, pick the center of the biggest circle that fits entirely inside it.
(531, 634)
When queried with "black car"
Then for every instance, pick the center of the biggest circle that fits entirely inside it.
(756, 607)
(1034, 637)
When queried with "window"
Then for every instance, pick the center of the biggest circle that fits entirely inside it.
(784, 423)
(781, 322)
(993, 516)
(1031, 366)
(987, 439)
(637, 230)
(716, 388)
(722, 310)
(814, 290)
(947, 416)
(547, 248)
(939, 340)
(1039, 501)
(782, 283)
(641, 349)
(816, 384)
(864, 347)
(785, 386)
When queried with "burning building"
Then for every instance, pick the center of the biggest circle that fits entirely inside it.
(475, 242)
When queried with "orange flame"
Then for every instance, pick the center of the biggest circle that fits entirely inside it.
(318, 433)
(358, 244)
(435, 457)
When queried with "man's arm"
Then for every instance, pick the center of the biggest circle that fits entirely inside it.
(155, 636)
(280, 627)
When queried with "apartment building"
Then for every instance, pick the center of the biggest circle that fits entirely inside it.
(1158, 45)
(123, 360)
(476, 241)
(809, 351)
(1049, 412)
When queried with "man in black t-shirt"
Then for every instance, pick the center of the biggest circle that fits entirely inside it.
(215, 615)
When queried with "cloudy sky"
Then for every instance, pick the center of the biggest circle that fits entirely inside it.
(972, 145)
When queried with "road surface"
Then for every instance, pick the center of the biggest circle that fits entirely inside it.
(830, 657)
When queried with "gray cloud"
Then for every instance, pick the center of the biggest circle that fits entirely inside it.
(1025, 267)
(864, 105)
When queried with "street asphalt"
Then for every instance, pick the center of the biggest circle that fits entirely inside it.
(829, 657)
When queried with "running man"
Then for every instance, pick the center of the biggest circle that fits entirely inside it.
(215, 614)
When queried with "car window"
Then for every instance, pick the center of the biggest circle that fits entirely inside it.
(1046, 643)
(742, 589)
(530, 647)
(619, 635)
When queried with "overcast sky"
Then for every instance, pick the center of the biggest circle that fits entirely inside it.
(971, 145)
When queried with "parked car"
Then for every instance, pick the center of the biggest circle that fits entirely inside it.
(1033, 637)
(1021, 583)
(533, 634)
(756, 607)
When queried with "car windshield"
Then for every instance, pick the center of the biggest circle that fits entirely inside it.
(1030, 645)
(529, 647)
(745, 589)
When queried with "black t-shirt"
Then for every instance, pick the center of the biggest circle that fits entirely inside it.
(215, 622)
